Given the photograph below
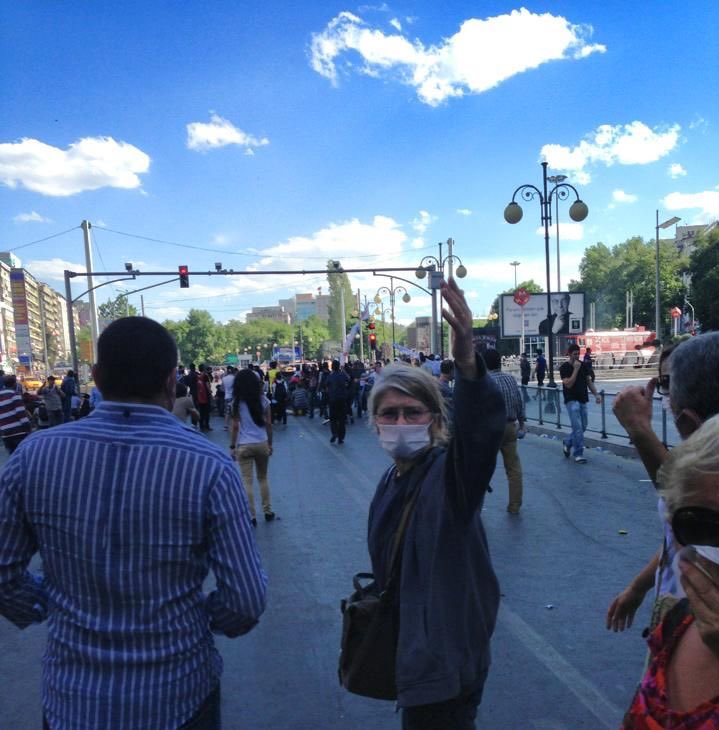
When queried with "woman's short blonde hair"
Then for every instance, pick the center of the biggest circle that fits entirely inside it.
(694, 458)
(416, 383)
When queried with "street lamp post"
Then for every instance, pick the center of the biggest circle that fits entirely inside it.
(556, 179)
(657, 291)
(577, 212)
(392, 291)
(435, 267)
(515, 264)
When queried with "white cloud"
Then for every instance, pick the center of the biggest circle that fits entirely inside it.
(418, 243)
(219, 132)
(423, 221)
(625, 144)
(396, 24)
(88, 164)
(619, 196)
(707, 202)
(481, 55)
(464, 211)
(54, 269)
(676, 170)
(567, 231)
(33, 217)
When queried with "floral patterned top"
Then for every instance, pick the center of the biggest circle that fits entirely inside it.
(650, 708)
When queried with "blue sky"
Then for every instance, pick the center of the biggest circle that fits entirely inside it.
(278, 135)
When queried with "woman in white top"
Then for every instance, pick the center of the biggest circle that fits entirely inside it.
(251, 437)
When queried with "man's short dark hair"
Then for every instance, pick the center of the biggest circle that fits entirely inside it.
(573, 348)
(9, 381)
(446, 367)
(135, 356)
(492, 359)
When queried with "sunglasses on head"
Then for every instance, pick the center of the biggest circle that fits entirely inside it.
(696, 526)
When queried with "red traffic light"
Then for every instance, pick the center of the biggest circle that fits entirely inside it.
(370, 326)
(184, 276)
(373, 340)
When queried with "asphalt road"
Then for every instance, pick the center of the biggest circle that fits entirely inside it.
(584, 531)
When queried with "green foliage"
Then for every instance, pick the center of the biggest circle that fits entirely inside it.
(116, 308)
(704, 270)
(340, 288)
(608, 274)
(530, 285)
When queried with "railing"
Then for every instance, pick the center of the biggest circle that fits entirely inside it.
(546, 407)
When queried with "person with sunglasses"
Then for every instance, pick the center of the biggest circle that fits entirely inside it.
(448, 592)
(657, 572)
(681, 686)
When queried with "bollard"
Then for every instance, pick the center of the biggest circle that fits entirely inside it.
(604, 415)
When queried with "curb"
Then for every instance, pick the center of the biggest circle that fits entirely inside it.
(620, 448)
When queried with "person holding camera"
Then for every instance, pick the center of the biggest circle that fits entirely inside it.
(53, 399)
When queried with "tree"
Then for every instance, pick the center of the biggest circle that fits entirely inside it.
(704, 271)
(116, 308)
(340, 288)
(608, 274)
(531, 286)
(199, 339)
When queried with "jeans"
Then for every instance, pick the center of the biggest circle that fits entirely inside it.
(207, 716)
(458, 713)
(337, 418)
(578, 418)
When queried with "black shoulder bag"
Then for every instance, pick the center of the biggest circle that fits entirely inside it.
(369, 626)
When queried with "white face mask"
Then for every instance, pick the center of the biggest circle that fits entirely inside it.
(706, 551)
(404, 441)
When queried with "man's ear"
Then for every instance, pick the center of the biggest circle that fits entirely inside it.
(687, 421)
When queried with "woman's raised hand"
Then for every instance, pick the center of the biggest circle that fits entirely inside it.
(459, 318)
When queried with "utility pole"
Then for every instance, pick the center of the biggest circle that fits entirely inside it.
(94, 330)
(142, 304)
(359, 316)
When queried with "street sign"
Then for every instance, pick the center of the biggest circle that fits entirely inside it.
(521, 296)
(676, 312)
(231, 359)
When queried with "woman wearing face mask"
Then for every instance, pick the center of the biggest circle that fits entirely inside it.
(681, 686)
(448, 593)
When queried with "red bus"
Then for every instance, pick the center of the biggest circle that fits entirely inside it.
(633, 346)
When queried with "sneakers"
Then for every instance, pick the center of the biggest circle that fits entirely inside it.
(513, 510)
(580, 459)
(269, 516)
(567, 449)
(333, 439)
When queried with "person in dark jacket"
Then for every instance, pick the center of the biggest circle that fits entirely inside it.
(448, 592)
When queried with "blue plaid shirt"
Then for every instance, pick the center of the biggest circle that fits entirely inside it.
(129, 510)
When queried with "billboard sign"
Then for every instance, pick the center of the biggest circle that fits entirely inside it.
(567, 315)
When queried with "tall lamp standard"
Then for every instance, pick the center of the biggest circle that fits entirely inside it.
(657, 292)
(577, 212)
(435, 267)
(555, 179)
(515, 264)
(392, 291)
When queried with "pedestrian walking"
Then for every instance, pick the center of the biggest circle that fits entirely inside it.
(69, 389)
(52, 398)
(251, 438)
(448, 595)
(15, 424)
(337, 390)
(575, 382)
(203, 398)
(540, 371)
(148, 509)
(525, 372)
(514, 428)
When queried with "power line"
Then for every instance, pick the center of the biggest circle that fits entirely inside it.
(226, 252)
(41, 240)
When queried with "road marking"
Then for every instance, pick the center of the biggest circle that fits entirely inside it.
(606, 712)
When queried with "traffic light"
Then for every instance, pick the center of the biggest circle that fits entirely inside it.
(184, 276)
(373, 341)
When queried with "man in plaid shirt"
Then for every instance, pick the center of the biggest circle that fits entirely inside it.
(514, 429)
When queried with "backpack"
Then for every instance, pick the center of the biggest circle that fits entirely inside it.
(280, 391)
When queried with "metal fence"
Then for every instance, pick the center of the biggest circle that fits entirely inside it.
(545, 407)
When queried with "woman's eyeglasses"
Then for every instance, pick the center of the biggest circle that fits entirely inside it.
(696, 526)
(411, 414)
(663, 385)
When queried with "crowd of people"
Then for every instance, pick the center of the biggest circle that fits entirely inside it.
(133, 610)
